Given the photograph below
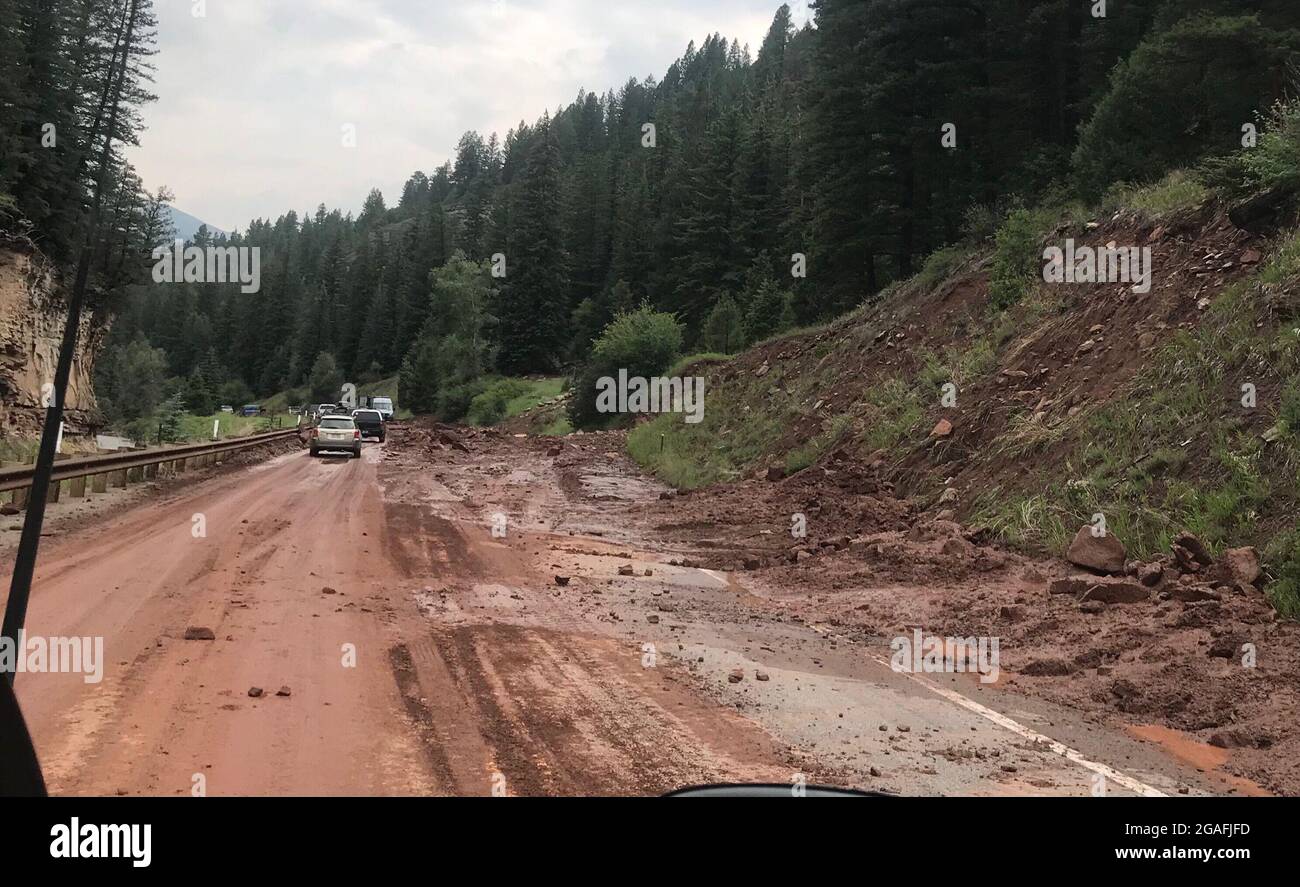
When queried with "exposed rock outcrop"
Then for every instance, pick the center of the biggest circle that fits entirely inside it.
(32, 313)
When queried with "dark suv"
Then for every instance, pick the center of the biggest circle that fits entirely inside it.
(371, 423)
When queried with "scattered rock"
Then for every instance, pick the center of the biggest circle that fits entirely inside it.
(942, 429)
(1151, 574)
(199, 633)
(1072, 585)
(736, 676)
(9, 509)
(957, 549)
(949, 495)
(255, 692)
(1242, 565)
(1092, 606)
(284, 691)
(1049, 667)
(1191, 594)
(775, 473)
(1225, 648)
(1104, 554)
(561, 581)
(762, 676)
(626, 570)
(328, 590)
(1195, 547)
(1121, 592)
(1238, 738)
(652, 619)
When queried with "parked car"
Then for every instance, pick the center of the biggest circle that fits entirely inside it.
(227, 408)
(324, 409)
(250, 409)
(336, 433)
(371, 423)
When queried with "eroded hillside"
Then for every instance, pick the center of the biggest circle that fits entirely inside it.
(1168, 411)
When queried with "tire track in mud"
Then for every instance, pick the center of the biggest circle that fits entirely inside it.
(408, 685)
(515, 749)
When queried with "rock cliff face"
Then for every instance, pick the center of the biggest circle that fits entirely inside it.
(32, 314)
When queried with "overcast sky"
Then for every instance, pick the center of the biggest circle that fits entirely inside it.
(252, 98)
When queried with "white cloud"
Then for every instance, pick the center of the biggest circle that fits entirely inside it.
(252, 97)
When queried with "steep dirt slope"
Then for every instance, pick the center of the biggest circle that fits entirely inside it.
(1082, 399)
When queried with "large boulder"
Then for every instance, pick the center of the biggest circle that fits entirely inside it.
(1102, 554)
(1242, 565)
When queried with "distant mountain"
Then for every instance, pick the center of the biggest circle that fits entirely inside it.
(186, 224)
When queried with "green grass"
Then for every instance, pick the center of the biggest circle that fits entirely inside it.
(229, 424)
(557, 427)
(694, 363)
(940, 265)
(535, 391)
(21, 450)
(731, 437)
(1178, 191)
(800, 458)
(506, 398)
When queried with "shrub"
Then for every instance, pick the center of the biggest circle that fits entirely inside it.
(490, 406)
(1274, 162)
(1015, 259)
(644, 342)
(771, 311)
(940, 265)
(724, 327)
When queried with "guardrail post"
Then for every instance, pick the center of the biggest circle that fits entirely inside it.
(53, 494)
(22, 496)
(77, 487)
(99, 483)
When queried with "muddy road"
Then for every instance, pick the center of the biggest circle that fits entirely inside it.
(491, 615)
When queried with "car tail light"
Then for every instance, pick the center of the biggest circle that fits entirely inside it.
(356, 435)
(315, 432)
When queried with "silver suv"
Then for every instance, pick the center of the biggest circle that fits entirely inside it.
(336, 433)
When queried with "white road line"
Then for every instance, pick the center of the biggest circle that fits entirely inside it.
(1060, 748)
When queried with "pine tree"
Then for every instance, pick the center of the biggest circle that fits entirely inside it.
(534, 305)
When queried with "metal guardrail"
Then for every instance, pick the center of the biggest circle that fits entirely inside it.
(20, 477)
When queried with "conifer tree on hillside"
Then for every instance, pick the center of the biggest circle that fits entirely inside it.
(534, 304)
